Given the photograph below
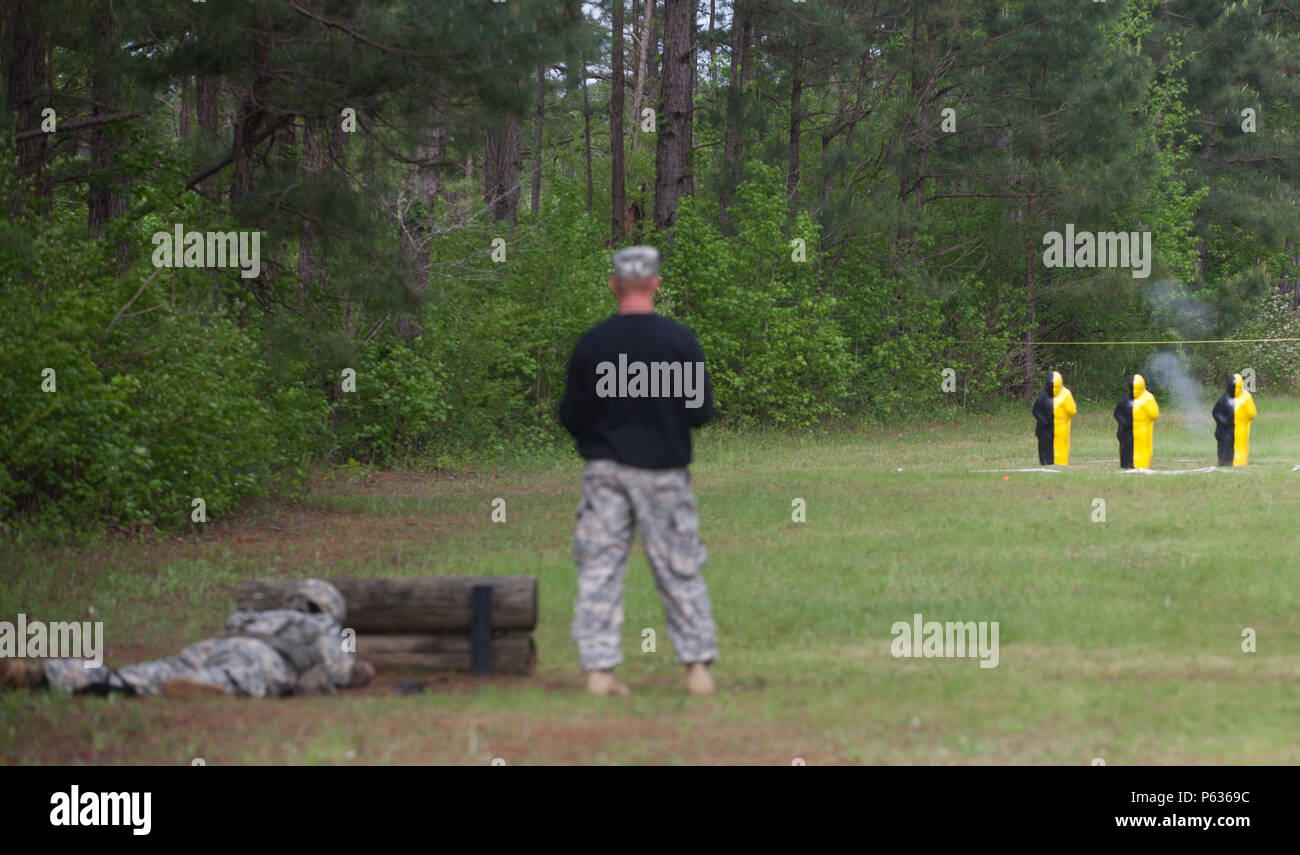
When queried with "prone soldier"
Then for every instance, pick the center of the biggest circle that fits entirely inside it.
(296, 649)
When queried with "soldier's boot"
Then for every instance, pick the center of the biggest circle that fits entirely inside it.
(21, 674)
(698, 679)
(603, 682)
(184, 689)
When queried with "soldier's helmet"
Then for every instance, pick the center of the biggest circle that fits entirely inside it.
(313, 595)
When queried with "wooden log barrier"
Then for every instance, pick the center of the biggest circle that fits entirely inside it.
(426, 623)
(511, 654)
(425, 604)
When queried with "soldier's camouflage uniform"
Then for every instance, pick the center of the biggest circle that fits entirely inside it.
(260, 654)
(615, 497)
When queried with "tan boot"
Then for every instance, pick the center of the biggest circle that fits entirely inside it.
(185, 689)
(604, 682)
(21, 674)
(698, 679)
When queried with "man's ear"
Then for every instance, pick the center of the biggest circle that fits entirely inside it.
(613, 285)
(654, 289)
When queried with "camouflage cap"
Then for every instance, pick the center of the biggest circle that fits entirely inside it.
(636, 262)
(313, 595)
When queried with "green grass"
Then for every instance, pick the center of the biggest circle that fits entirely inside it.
(1119, 640)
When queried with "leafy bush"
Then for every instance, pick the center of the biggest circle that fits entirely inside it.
(142, 413)
(1277, 363)
(769, 335)
(504, 331)
(399, 406)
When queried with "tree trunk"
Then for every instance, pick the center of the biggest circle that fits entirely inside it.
(733, 145)
(586, 131)
(674, 177)
(641, 72)
(252, 113)
(338, 140)
(21, 56)
(501, 171)
(206, 89)
(617, 200)
(314, 161)
(1031, 320)
(652, 60)
(538, 116)
(102, 202)
(713, 69)
(187, 95)
(422, 185)
(796, 96)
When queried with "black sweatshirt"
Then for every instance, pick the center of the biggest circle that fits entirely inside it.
(636, 386)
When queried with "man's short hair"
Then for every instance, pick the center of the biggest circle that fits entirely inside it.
(636, 262)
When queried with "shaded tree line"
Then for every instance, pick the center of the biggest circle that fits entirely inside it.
(851, 196)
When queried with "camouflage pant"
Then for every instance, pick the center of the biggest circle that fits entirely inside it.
(243, 666)
(616, 496)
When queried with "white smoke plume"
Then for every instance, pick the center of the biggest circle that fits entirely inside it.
(1168, 371)
(1172, 305)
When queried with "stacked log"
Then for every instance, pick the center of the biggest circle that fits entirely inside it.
(424, 623)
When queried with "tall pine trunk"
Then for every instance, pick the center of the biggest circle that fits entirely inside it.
(586, 131)
(1031, 318)
(617, 200)
(252, 114)
(539, 115)
(422, 184)
(314, 160)
(733, 145)
(673, 177)
(796, 97)
(206, 88)
(642, 72)
(21, 54)
(103, 203)
(501, 171)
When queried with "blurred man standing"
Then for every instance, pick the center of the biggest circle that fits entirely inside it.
(636, 385)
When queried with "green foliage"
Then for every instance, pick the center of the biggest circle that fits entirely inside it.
(399, 406)
(1277, 363)
(768, 333)
(1169, 212)
(504, 330)
(919, 240)
(903, 338)
(146, 412)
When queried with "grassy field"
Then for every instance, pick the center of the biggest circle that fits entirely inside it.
(1119, 639)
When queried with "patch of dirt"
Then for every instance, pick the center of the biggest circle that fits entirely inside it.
(297, 537)
(397, 485)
